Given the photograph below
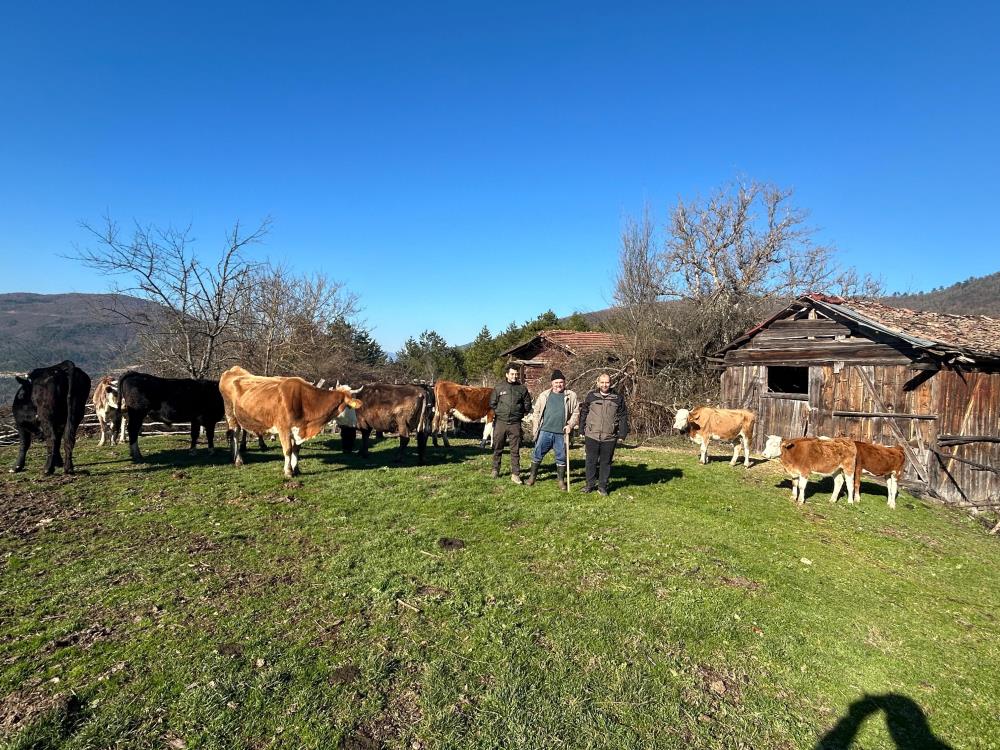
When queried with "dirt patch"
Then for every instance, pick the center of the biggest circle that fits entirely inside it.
(293, 484)
(24, 514)
(23, 708)
(400, 714)
(345, 675)
(433, 592)
(448, 543)
(719, 685)
(739, 582)
(234, 650)
(82, 639)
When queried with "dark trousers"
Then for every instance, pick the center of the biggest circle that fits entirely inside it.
(599, 455)
(504, 432)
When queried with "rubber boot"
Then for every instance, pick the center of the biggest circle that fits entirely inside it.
(533, 473)
(561, 477)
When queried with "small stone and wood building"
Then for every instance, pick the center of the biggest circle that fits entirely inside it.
(930, 381)
(555, 348)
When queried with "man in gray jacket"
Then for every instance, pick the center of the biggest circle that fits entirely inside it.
(604, 421)
(550, 417)
(510, 402)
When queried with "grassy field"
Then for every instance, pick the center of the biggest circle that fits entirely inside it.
(185, 603)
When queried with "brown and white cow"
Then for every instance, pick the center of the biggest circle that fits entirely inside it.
(291, 408)
(106, 406)
(466, 403)
(879, 461)
(803, 456)
(706, 423)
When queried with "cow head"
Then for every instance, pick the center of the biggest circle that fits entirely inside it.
(681, 420)
(772, 448)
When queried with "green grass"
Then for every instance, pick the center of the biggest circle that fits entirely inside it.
(185, 603)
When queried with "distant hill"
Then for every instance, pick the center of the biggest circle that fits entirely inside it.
(43, 329)
(974, 296)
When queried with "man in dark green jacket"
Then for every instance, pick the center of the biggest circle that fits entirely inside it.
(603, 421)
(511, 403)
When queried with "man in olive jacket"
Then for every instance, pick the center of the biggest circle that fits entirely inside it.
(511, 403)
(604, 421)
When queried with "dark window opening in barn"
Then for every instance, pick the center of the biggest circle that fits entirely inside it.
(788, 379)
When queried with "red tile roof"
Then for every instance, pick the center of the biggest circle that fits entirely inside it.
(575, 342)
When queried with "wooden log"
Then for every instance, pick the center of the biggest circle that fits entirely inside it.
(817, 353)
(816, 327)
(976, 466)
(787, 396)
(960, 439)
(882, 414)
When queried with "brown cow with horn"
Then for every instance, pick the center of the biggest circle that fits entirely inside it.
(292, 408)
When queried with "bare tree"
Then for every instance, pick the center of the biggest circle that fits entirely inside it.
(719, 266)
(293, 324)
(195, 304)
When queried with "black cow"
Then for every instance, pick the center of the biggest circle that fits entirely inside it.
(402, 409)
(49, 405)
(172, 400)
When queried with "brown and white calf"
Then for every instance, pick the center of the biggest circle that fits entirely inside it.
(879, 461)
(803, 456)
(106, 406)
(466, 403)
(289, 407)
(706, 423)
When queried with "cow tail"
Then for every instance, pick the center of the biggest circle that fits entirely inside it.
(425, 407)
(119, 412)
(69, 430)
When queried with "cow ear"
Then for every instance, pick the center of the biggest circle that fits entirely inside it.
(353, 403)
(22, 381)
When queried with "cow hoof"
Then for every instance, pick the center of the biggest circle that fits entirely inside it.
(16, 470)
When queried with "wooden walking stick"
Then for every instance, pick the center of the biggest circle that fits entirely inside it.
(566, 443)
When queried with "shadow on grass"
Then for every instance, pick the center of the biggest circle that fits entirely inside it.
(386, 456)
(823, 488)
(639, 475)
(905, 721)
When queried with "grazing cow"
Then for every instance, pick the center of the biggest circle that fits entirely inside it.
(706, 423)
(172, 400)
(466, 403)
(879, 461)
(106, 407)
(806, 455)
(292, 408)
(403, 409)
(49, 405)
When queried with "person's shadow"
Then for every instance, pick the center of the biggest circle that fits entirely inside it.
(904, 719)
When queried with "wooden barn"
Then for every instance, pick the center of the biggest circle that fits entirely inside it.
(829, 366)
(548, 350)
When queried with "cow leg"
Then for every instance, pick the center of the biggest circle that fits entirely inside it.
(210, 436)
(746, 450)
(238, 438)
(294, 461)
(111, 430)
(365, 437)
(52, 449)
(803, 481)
(892, 485)
(736, 454)
(404, 440)
(795, 488)
(22, 453)
(850, 486)
(135, 418)
(69, 443)
(838, 483)
(102, 425)
(704, 451)
(286, 448)
(487, 435)
(260, 442)
(422, 446)
(195, 429)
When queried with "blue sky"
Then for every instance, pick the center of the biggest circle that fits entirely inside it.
(459, 164)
